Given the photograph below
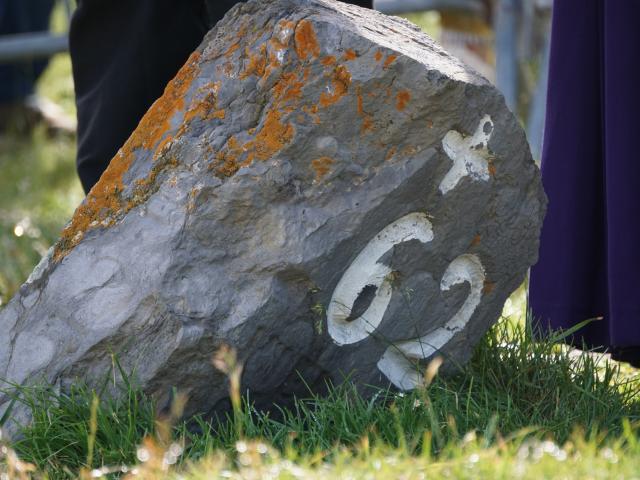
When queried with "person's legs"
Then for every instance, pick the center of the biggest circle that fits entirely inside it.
(621, 76)
(123, 55)
(569, 283)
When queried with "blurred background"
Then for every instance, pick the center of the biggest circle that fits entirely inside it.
(507, 41)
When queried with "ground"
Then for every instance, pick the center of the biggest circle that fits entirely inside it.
(520, 409)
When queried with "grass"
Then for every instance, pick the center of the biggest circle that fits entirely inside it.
(518, 402)
(38, 187)
(520, 408)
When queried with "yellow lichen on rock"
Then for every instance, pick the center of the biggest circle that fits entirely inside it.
(340, 86)
(306, 41)
(322, 166)
(104, 202)
(402, 98)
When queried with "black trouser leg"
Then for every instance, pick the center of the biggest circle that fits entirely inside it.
(123, 54)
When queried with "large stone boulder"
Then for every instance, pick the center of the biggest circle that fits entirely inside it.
(321, 187)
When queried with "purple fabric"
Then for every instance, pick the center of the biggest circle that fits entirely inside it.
(590, 248)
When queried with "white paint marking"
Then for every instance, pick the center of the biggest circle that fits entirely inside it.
(399, 361)
(470, 155)
(365, 270)
(284, 35)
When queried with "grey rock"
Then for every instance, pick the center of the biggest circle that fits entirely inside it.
(321, 187)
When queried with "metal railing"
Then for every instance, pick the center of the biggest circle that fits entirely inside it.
(36, 45)
(30, 46)
(408, 6)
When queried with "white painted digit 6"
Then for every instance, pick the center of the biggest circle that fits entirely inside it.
(398, 361)
(364, 271)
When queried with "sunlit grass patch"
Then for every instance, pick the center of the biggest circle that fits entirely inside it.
(39, 189)
(38, 193)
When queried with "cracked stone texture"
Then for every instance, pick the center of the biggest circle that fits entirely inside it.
(297, 132)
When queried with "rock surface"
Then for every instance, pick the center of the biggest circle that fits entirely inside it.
(321, 187)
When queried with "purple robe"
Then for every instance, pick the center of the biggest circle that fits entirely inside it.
(590, 247)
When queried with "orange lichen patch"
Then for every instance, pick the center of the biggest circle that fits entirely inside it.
(156, 121)
(349, 55)
(104, 202)
(367, 124)
(287, 24)
(193, 194)
(488, 287)
(274, 133)
(294, 92)
(389, 60)
(276, 48)
(328, 60)
(227, 160)
(242, 31)
(322, 166)
(476, 240)
(492, 169)
(378, 55)
(273, 136)
(286, 28)
(162, 146)
(367, 121)
(390, 153)
(305, 40)
(402, 98)
(340, 81)
(227, 69)
(219, 114)
(278, 45)
(204, 108)
(257, 63)
(288, 88)
(409, 150)
(146, 186)
(232, 49)
(312, 111)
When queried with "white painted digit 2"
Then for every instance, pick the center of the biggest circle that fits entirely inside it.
(398, 363)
